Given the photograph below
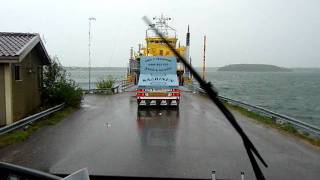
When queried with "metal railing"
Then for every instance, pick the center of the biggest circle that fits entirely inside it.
(119, 86)
(126, 85)
(25, 121)
(277, 117)
(101, 91)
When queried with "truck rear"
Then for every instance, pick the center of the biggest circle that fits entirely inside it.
(158, 82)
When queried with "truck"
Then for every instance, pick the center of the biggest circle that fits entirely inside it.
(158, 83)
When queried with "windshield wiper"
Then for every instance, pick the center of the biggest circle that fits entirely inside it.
(213, 95)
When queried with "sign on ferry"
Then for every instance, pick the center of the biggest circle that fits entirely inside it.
(158, 71)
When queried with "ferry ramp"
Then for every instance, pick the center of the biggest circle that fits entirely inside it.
(110, 136)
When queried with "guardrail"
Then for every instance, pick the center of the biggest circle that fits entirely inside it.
(120, 86)
(278, 118)
(128, 85)
(101, 91)
(25, 121)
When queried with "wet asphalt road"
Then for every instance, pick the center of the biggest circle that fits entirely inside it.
(111, 137)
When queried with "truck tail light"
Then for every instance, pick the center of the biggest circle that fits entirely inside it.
(175, 92)
(140, 93)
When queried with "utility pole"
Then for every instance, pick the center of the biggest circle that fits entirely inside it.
(204, 57)
(89, 49)
(187, 53)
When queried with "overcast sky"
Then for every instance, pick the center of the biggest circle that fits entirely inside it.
(279, 32)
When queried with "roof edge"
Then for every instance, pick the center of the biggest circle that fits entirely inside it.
(11, 59)
(45, 52)
(17, 33)
(28, 47)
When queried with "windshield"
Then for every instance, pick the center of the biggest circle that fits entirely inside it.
(162, 89)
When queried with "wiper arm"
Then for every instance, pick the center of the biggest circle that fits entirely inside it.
(213, 95)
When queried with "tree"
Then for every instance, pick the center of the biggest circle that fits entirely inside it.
(58, 87)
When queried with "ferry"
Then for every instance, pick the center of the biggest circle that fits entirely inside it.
(154, 46)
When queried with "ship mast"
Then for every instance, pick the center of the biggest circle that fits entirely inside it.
(187, 53)
(161, 25)
(204, 58)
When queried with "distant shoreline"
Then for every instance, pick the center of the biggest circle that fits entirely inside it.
(254, 68)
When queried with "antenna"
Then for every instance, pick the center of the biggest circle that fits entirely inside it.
(89, 50)
(204, 58)
(161, 24)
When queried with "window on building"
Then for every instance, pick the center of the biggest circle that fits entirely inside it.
(17, 73)
(161, 52)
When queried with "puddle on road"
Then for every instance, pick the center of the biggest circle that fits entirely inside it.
(85, 105)
(88, 106)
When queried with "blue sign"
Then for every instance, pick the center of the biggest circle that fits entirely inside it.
(158, 71)
(158, 65)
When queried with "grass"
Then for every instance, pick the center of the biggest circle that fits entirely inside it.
(106, 83)
(23, 134)
(283, 127)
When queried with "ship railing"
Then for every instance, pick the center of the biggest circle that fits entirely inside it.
(278, 118)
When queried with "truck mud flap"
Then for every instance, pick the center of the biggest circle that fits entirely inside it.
(154, 103)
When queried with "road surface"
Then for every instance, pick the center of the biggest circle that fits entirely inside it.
(111, 137)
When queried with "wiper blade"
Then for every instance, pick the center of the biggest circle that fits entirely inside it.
(213, 95)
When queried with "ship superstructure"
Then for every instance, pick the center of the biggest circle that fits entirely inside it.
(154, 46)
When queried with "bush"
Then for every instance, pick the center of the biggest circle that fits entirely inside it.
(106, 83)
(58, 87)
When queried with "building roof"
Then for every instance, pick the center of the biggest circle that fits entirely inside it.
(15, 46)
